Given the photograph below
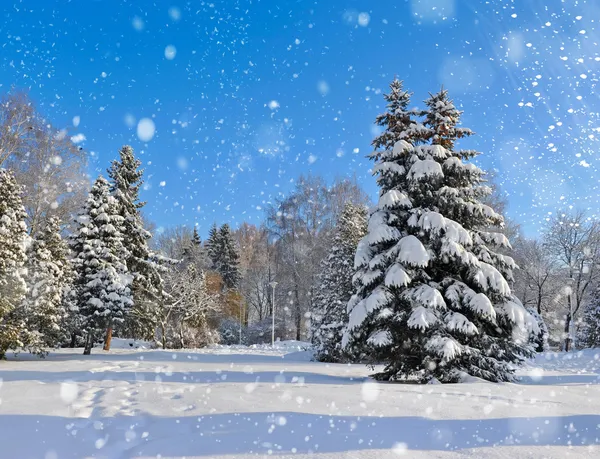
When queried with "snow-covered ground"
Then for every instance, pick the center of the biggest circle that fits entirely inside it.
(259, 402)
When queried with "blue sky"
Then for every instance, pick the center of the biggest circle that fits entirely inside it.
(247, 95)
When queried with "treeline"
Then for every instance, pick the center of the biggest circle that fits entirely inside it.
(425, 280)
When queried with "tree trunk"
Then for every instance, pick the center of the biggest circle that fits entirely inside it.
(108, 338)
(73, 340)
(567, 333)
(163, 333)
(298, 315)
(89, 342)
(181, 341)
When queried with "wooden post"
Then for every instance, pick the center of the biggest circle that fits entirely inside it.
(108, 338)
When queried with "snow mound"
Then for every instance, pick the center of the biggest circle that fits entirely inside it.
(130, 343)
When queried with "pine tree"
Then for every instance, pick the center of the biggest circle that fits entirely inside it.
(432, 296)
(228, 264)
(589, 335)
(48, 278)
(102, 279)
(13, 241)
(335, 285)
(126, 181)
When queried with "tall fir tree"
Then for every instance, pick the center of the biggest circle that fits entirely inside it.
(589, 335)
(102, 280)
(48, 277)
(213, 245)
(432, 296)
(228, 259)
(13, 242)
(126, 181)
(335, 285)
(224, 256)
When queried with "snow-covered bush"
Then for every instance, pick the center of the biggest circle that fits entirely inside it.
(229, 332)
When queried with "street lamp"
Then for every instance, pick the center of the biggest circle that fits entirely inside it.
(273, 285)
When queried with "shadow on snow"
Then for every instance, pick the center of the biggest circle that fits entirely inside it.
(280, 432)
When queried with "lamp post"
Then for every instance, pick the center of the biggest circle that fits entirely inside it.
(241, 320)
(570, 284)
(273, 285)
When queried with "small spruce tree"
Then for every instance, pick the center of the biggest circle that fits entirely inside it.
(335, 285)
(48, 278)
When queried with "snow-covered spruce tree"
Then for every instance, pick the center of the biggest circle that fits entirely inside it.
(126, 180)
(538, 337)
(48, 278)
(589, 335)
(335, 289)
(13, 241)
(433, 300)
(102, 280)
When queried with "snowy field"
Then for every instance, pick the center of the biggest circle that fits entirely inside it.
(258, 402)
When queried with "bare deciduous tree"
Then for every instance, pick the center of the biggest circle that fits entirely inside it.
(45, 161)
(573, 240)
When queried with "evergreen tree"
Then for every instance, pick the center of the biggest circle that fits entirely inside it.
(432, 296)
(398, 121)
(196, 241)
(126, 181)
(213, 245)
(224, 256)
(228, 258)
(335, 285)
(48, 278)
(102, 279)
(442, 118)
(589, 335)
(13, 240)
(538, 337)
(192, 252)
